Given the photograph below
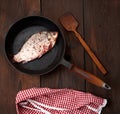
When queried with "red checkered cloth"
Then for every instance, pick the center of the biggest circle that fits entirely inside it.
(57, 101)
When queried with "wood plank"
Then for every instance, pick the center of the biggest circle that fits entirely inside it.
(61, 77)
(102, 26)
(11, 81)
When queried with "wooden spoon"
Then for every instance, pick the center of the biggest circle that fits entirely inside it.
(70, 24)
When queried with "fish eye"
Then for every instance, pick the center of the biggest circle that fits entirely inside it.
(54, 34)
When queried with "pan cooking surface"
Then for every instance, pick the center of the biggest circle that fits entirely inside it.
(18, 35)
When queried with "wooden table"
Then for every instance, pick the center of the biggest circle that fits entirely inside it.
(100, 27)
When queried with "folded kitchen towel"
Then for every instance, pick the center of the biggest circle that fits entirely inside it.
(58, 101)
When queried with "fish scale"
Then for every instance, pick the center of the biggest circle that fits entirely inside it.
(36, 46)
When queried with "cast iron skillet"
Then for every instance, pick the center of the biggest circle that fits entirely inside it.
(22, 30)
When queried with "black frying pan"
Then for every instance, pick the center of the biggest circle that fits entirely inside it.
(22, 30)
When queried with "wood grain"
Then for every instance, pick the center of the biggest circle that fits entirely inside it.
(102, 32)
(11, 80)
(62, 77)
(99, 25)
(70, 24)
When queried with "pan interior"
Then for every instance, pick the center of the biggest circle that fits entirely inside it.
(20, 32)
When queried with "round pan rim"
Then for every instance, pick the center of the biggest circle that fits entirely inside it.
(11, 64)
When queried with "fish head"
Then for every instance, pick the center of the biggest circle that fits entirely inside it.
(53, 35)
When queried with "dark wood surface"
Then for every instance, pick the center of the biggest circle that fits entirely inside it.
(99, 24)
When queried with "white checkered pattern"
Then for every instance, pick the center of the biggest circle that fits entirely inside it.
(57, 101)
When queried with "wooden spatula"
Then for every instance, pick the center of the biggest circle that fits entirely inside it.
(70, 24)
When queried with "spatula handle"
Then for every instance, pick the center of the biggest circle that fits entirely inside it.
(89, 51)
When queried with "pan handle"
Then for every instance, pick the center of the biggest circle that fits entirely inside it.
(66, 63)
(84, 74)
